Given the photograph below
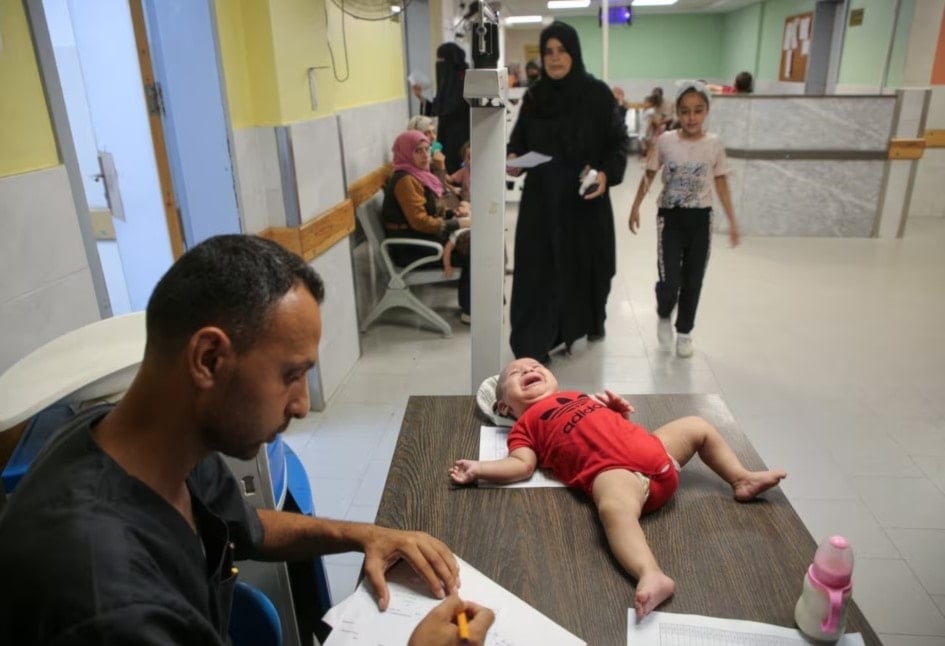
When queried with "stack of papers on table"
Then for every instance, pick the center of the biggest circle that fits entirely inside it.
(669, 629)
(356, 620)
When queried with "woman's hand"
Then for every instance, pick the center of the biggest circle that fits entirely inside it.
(417, 91)
(464, 471)
(439, 627)
(464, 222)
(634, 220)
(437, 161)
(601, 186)
(514, 172)
(462, 210)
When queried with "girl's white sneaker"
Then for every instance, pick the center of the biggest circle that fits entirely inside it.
(684, 346)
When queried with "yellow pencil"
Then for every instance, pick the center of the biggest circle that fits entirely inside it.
(462, 623)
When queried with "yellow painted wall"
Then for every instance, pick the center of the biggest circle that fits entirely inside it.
(268, 47)
(26, 135)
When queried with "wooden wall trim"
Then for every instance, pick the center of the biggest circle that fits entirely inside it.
(906, 148)
(361, 189)
(320, 233)
(935, 138)
(316, 235)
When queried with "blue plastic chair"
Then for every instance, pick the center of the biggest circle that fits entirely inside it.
(254, 620)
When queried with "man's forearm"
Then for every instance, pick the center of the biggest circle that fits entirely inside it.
(291, 536)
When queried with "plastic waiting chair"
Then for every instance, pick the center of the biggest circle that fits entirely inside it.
(254, 620)
(398, 291)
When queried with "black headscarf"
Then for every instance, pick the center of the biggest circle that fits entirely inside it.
(551, 97)
(450, 76)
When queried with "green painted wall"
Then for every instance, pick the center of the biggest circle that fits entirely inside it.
(740, 41)
(865, 46)
(772, 34)
(656, 46)
(897, 61)
(26, 136)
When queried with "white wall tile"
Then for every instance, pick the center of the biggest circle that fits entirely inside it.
(317, 160)
(258, 179)
(40, 241)
(45, 313)
(927, 189)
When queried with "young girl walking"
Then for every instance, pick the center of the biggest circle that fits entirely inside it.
(692, 161)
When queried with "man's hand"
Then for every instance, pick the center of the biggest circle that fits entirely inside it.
(465, 471)
(439, 627)
(429, 557)
(614, 402)
(634, 221)
(437, 161)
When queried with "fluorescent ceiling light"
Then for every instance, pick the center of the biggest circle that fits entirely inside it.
(653, 3)
(521, 20)
(395, 8)
(568, 4)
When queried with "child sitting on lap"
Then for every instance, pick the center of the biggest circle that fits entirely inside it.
(588, 442)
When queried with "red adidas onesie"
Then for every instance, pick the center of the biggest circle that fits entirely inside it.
(577, 438)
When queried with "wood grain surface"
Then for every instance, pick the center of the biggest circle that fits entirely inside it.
(741, 561)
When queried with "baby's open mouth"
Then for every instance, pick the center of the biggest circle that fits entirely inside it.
(531, 380)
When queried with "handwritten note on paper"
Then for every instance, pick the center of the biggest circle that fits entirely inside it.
(356, 620)
(670, 629)
(493, 445)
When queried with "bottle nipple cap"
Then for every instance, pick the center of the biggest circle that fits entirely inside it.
(833, 562)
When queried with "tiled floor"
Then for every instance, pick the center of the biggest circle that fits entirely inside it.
(830, 353)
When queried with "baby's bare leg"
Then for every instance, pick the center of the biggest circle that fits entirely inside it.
(687, 436)
(619, 496)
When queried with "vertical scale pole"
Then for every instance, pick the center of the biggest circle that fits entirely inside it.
(486, 91)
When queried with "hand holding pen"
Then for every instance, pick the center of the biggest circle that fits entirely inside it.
(452, 623)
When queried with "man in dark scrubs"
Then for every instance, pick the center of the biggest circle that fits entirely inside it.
(126, 527)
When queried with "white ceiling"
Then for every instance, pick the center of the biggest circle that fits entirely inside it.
(538, 7)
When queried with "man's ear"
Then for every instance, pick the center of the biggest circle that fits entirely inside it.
(207, 353)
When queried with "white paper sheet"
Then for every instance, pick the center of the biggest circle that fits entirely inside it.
(670, 629)
(356, 620)
(493, 445)
(416, 77)
(528, 160)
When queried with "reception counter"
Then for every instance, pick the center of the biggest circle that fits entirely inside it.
(813, 166)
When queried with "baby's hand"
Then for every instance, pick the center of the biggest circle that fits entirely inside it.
(464, 471)
(614, 402)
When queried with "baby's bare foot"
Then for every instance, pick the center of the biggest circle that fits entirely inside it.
(756, 482)
(652, 589)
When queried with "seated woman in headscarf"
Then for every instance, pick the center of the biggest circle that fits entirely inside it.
(451, 198)
(410, 209)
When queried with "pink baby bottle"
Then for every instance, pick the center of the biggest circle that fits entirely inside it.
(821, 610)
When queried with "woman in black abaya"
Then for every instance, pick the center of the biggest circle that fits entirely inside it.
(449, 106)
(565, 252)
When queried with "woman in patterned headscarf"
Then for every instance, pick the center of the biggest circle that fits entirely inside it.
(565, 250)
